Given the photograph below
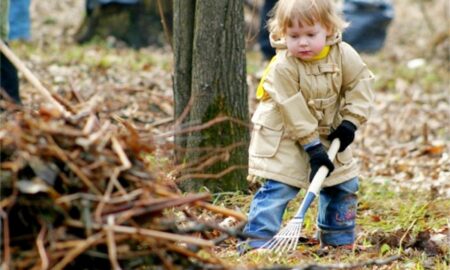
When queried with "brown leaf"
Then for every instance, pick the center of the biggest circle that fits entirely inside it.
(375, 218)
(434, 150)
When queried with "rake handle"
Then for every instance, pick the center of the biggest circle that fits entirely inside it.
(316, 183)
(322, 173)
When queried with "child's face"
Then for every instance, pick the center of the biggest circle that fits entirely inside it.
(305, 41)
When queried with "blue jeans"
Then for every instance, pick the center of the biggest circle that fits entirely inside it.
(336, 213)
(19, 19)
(263, 39)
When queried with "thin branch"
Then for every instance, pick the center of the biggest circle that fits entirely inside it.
(209, 206)
(73, 167)
(112, 251)
(210, 175)
(75, 252)
(41, 247)
(213, 153)
(164, 24)
(163, 235)
(411, 226)
(88, 196)
(86, 142)
(400, 244)
(185, 112)
(6, 239)
(159, 205)
(204, 126)
(126, 164)
(90, 124)
(222, 210)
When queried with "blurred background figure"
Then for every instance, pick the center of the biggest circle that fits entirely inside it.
(19, 20)
(9, 81)
(135, 22)
(91, 5)
(369, 21)
(263, 38)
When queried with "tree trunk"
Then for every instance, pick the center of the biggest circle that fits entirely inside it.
(209, 50)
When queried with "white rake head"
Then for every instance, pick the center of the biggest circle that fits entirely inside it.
(287, 238)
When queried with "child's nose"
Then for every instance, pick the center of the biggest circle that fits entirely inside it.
(303, 42)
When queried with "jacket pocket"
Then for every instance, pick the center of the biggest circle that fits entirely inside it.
(267, 131)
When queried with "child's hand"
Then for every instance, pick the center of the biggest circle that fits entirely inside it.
(346, 134)
(318, 157)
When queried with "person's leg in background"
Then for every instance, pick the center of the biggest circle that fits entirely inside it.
(9, 80)
(337, 214)
(19, 20)
(263, 39)
(369, 21)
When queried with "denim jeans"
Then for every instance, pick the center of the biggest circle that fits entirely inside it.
(336, 213)
(263, 39)
(19, 20)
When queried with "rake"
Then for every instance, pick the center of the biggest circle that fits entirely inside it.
(287, 238)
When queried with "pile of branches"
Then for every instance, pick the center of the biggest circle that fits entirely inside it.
(82, 193)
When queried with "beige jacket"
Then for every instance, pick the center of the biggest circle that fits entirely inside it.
(307, 100)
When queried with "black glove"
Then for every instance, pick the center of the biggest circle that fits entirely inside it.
(345, 132)
(318, 157)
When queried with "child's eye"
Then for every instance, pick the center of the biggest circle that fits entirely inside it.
(311, 34)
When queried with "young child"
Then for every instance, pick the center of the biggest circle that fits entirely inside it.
(315, 89)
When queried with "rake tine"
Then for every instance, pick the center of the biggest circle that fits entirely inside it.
(283, 243)
(287, 245)
(278, 238)
(273, 244)
(294, 242)
(269, 244)
(281, 238)
(282, 246)
(285, 238)
(276, 247)
(297, 238)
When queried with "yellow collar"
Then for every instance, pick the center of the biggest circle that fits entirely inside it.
(323, 53)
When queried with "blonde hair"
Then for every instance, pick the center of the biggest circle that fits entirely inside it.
(306, 12)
